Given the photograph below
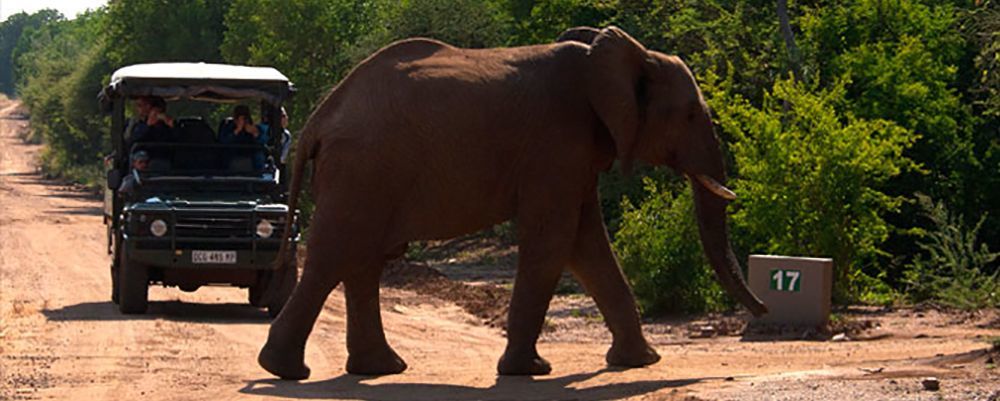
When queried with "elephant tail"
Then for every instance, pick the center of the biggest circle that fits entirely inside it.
(305, 151)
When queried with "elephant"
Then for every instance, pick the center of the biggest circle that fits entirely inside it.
(426, 141)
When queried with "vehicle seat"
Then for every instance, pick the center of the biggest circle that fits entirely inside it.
(194, 130)
(159, 164)
(241, 164)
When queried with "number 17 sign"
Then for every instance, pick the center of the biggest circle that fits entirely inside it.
(785, 280)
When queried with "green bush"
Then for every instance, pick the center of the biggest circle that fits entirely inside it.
(661, 255)
(952, 271)
(808, 179)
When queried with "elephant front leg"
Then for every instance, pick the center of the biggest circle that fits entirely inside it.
(545, 243)
(368, 351)
(594, 265)
(533, 288)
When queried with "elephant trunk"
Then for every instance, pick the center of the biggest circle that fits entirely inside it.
(710, 210)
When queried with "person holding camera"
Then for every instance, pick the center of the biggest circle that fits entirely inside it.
(241, 130)
(155, 124)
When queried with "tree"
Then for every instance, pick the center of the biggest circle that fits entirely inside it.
(143, 31)
(61, 66)
(11, 32)
(310, 41)
(463, 23)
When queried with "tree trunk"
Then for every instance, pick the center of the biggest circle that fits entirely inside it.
(786, 32)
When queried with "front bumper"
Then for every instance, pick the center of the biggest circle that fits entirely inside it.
(251, 254)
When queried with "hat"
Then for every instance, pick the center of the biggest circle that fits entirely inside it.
(140, 155)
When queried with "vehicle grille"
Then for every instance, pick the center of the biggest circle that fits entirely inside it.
(222, 225)
(217, 226)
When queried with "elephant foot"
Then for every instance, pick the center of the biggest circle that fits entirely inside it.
(383, 362)
(288, 365)
(638, 354)
(523, 364)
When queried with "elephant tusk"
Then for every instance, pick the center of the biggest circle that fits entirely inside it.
(715, 187)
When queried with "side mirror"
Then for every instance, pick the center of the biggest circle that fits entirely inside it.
(114, 179)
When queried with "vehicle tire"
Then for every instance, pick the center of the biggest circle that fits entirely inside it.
(255, 294)
(288, 278)
(115, 258)
(114, 283)
(133, 286)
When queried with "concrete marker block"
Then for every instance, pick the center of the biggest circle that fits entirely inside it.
(796, 290)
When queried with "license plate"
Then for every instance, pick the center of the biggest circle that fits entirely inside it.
(213, 257)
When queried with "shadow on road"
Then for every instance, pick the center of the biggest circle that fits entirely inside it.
(61, 189)
(227, 313)
(506, 388)
(78, 211)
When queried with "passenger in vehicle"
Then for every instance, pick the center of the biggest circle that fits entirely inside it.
(158, 126)
(286, 137)
(240, 130)
(140, 162)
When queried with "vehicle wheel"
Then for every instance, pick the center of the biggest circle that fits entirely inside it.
(286, 283)
(114, 283)
(133, 286)
(255, 294)
(115, 257)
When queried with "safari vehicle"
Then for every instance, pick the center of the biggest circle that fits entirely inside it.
(202, 212)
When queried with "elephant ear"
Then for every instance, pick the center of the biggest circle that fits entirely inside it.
(616, 64)
(582, 34)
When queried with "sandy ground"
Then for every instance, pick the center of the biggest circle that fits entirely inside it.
(61, 338)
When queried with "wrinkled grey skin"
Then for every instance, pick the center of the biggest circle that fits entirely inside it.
(427, 141)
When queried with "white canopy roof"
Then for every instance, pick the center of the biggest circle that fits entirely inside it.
(198, 81)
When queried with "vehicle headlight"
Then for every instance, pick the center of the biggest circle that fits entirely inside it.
(265, 229)
(158, 227)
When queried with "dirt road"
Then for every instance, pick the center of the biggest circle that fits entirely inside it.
(61, 338)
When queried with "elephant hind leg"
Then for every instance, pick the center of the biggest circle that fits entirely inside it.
(594, 265)
(284, 353)
(368, 351)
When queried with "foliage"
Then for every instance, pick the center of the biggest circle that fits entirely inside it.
(952, 270)
(982, 30)
(145, 31)
(310, 41)
(905, 61)
(62, 66)
(464, 23)
(668, 271)
(543, 21)
(11, 31)
(809, 176)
